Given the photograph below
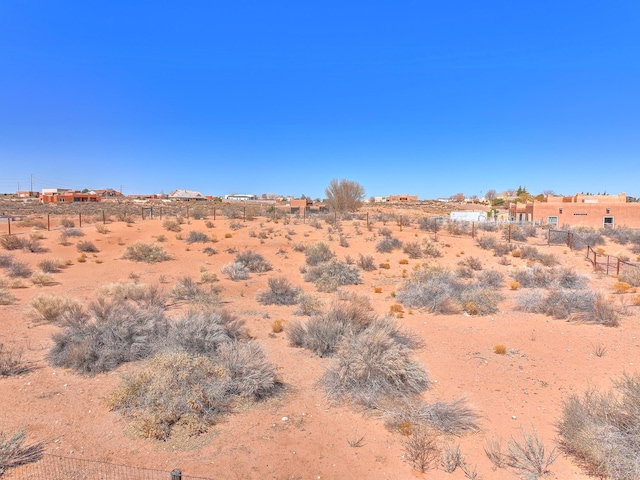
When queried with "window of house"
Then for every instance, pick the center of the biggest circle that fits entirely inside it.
(552, 220)
(607, 222)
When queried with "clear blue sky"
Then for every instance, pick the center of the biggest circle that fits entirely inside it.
(427, 97)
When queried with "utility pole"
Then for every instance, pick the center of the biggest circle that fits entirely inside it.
(31, 189)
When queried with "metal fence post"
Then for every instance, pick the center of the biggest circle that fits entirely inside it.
(176, 474)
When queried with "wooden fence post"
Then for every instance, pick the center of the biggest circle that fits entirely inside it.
(176, 474)
(142, 212)
(48, 222)
(80, 219)
(509, 234)
(9, 224)
(367, 219)
(549, 237)
(104, 218)
(473, 230)
(214, 214)
(618, 268)
(244, 214)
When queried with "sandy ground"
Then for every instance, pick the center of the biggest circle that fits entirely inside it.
(549, 360)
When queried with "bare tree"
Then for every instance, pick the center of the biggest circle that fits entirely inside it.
(490, 195)
(344, 195)
(458, 197)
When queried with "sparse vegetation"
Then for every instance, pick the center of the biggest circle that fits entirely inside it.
(279, 292)
(318, 253)
(253, 261)
(197, 237)
(13, 451)
(235, 271)
(85, 246)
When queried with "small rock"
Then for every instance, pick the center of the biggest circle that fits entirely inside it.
(284, 419)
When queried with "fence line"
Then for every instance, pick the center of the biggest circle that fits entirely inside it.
(54, 467)
(607, 263)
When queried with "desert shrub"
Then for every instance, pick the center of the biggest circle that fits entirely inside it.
(474, 263)
(585, 236)
(487, 242)
(630, 276)
(235, 271)
(452, 457)
(143, 295)
(366, 262)
(253, 261)
(535, 276)
(6, 259)
(458, 228)
(86, 246)
(6, 297)
(413, 249)
(12, 242)
(600, 430)
(371, 366)
(432, 288)
(431, 250)
(251, 373)
(527, 458)
(67, 222)
(19, 269)
(298, 247)
(388, 244)
(502, 249)
(318, 253)
(187, 290)
(385, 232)
(343, 242)
(199, 214)
(72, 232)
(146, 252)
(478, 300)
(209, 251)
(51, 265)
(42, 279)
(12, 363)
(197, 237)
(110, 334)
(279, 292)
(489, 226)
(348, 313)
(566, 277)
(173, 389)
(464, 271)
(308, 304)
(208, 277)
(32, 244)
(101, 228)
(455, 417)
(171, 225)
(13, 451)
(516, 233)
(421, 448)
(204, 332)
(490, 279)
(330, 275)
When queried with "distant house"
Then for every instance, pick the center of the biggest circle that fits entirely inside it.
(379, 199)
(468, 216)
(63, 195)
(596, 211)
(107, 193)
(402, 198)
(241, 197)
(186, 195)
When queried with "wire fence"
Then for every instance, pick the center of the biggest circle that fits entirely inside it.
(608, 264)
(53, 467)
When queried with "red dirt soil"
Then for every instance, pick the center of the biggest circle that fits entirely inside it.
(300, 434)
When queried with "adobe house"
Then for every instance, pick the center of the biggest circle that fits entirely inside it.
(61, 195)
(595, 211)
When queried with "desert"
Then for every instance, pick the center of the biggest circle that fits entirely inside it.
(505, 370)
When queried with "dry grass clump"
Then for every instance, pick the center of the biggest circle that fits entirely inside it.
(440, 291)
(14, 453)
(12, 363)
(253, 261)
(535, 276)
(308, 305)
(235, 271)
(12, 242)
(172, 225)
(187, 290)
(277, 325)
(600, 430)
(422, 448)
(366, 262)
(500, 349)
(490, 279)
(527, 458)
(455, 417)
(330, 275)
(474, 263)
(197, 237)
(6, 297)
(146, 252)
(51, 265)
(72, 232)
(318, 253)
(413, 249)
(208, 277)
(621, 288)
(279, 292)
(430, 249)
(51, 308)
(373, 365)
(141, 294)
(42, 279)
(205, 362)
(582, 305)
(630, 276)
